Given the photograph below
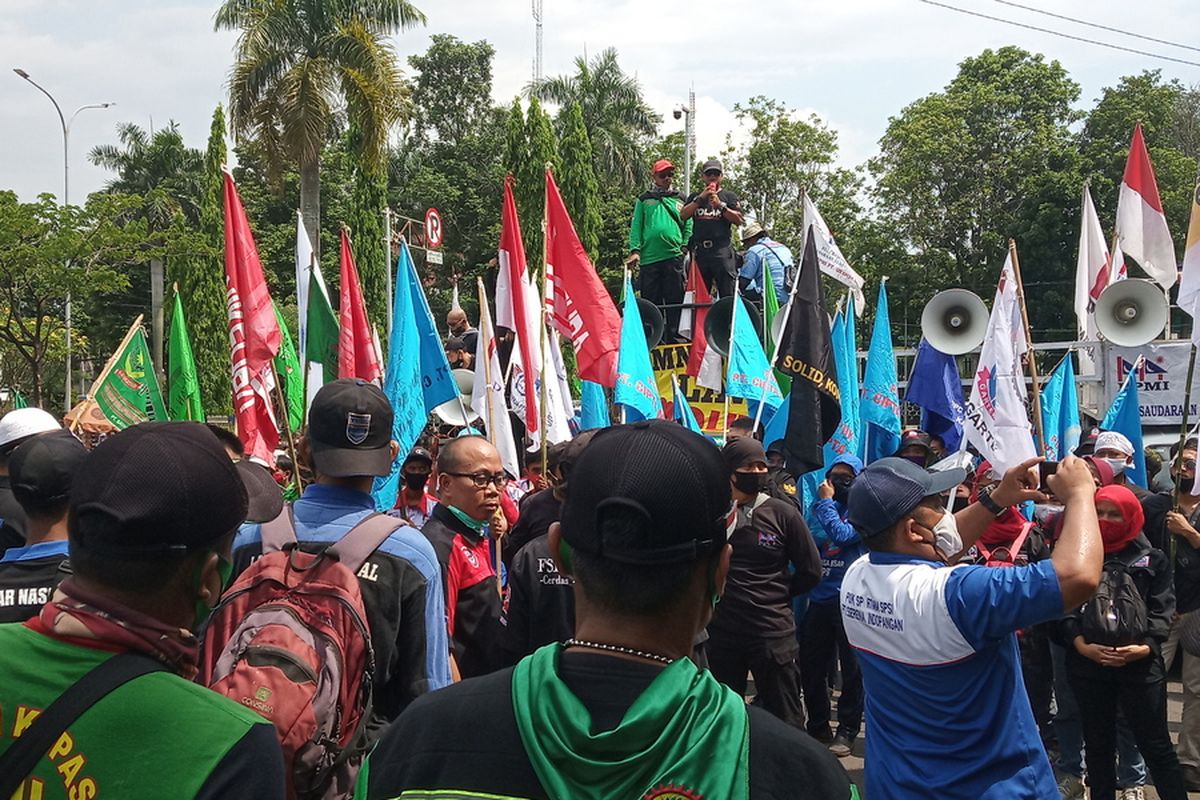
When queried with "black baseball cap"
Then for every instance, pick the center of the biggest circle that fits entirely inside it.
(350, 429)
(673, 480)
(264, 497)
(887, 490)
(156, 489)
(418, 454)
(42, 468)
(915, 437)
(743, 452)
(454, 343)
(711, 164)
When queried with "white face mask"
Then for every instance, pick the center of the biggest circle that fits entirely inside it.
(946, 538)
(1118, 465)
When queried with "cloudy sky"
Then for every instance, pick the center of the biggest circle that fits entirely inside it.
(854, 62)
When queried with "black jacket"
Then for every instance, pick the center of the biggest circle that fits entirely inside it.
(1187, 558)
(538, 511)
(539, 607)
(774, 559)
(12, 518)
(1152, 575)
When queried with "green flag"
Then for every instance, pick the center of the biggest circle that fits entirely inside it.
(287, 369)
(19, 400)
(183, 386)
(770, 311)
(322, 344)
(127, 392)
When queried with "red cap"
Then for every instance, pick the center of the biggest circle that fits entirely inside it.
(662, 164)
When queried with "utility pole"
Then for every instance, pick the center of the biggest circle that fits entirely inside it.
(537, 52)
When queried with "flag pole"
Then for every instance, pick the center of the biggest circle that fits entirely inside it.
(1183, 429)
(1031, 356)
(487, 364)
(544, 320)
(108, 367)
(787, 314)
(387, 261)
(287, 429)
(729, 360)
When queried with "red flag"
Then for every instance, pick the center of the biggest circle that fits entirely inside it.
(1141, 225)
(516, 302)
(253, 333)
(580, 306)
(357, 356)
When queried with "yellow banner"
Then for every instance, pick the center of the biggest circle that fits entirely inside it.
(708, 406)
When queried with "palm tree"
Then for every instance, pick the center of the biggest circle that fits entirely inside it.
(615, 114)
(158, 166)
(297, 62)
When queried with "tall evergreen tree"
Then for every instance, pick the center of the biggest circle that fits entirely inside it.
(531, 182)
(368, 198)
(516, 149)
(580, 189)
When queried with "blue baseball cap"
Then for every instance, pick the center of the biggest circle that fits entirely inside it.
(887, 490)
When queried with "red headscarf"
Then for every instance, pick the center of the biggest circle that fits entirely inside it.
(1103, 469)
(1005, 528)
(1118, 534)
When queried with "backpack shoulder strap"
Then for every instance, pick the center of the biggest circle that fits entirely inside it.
(25, 752)
(360, 541)
(279, 532)
(1019, 542)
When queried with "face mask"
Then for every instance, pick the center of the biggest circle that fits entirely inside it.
(946, 538)
(750, 483)
(467, 519)
(1118, 465)
(203, 609)
(416, 481)
(1186, 484)
(1112, 533)
(841, 489)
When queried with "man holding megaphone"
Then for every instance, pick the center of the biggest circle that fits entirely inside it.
(715, 211)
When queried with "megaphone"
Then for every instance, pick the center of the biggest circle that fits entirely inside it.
(653, 322)
(720, 319)
(954, 321)
(1131, 313)
(451, 411)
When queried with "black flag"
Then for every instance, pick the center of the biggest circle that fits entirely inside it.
(806, 356)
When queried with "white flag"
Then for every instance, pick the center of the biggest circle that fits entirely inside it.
(833, 263)
(1092, 276)
(487, 396)
(1189, 284)
(559, 409)
(304, 262)
(995, 421)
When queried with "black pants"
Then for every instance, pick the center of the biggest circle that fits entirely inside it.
(662, 283)
(717, 266)
(1037, 670)
(1144, 706)
(773, 664)
(825, 638)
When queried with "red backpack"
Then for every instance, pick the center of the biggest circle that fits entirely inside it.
(1005, 555)
(290, 640)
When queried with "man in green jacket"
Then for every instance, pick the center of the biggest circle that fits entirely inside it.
(153, 511)
(657, 240)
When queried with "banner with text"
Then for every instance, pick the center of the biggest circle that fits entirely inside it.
(1161, 380)
(707, 406)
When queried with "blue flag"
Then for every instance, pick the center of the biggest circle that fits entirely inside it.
(935, 386)
(682, 410)
(880, 399)
(1125, 417)
(749, 371)
(1060, 411)
(845, 355)
(636, 388)
(593, 407)
(418, 377)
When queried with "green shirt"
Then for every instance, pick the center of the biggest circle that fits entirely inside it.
(657, 232)
(157, 736)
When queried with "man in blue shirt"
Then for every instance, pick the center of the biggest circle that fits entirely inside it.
(946, 706)
(764, 252)
(349, 442)
(824, 636)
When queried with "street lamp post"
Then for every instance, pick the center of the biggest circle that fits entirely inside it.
(66, 134)
(689, 137)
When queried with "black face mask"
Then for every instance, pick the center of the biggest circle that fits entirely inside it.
(415, 481)
(1186, 484)
(841, 489)
(750, 483)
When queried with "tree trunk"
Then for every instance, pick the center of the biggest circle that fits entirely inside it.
(310, 202)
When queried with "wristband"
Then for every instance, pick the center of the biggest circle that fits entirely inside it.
(722, 206)
(985, 500)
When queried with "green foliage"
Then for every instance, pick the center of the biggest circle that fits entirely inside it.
(530, 189)
(578, 184)
(367, 201)
(453, 89)
(615, 114)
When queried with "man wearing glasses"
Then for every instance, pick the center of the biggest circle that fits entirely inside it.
(715, 211)
(470, 480)
(658, 235)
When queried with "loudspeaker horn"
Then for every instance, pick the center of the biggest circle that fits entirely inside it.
(954, 321)
(653, 322)
(1131, 313)
(719, 320)
(451, 411)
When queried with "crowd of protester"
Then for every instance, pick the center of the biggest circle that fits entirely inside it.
(643, 614)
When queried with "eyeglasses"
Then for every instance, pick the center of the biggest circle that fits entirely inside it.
(713, 173)
(482, 479)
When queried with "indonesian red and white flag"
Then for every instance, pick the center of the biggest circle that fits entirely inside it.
(1141, 223)
(1189, 284)
(254, 335)
(995, 420)
(487, 395)
(518, 308)
(580, 308)
(358, 355)
(704, 362)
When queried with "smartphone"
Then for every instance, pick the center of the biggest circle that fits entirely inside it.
(713, 186)
(1046, 469)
